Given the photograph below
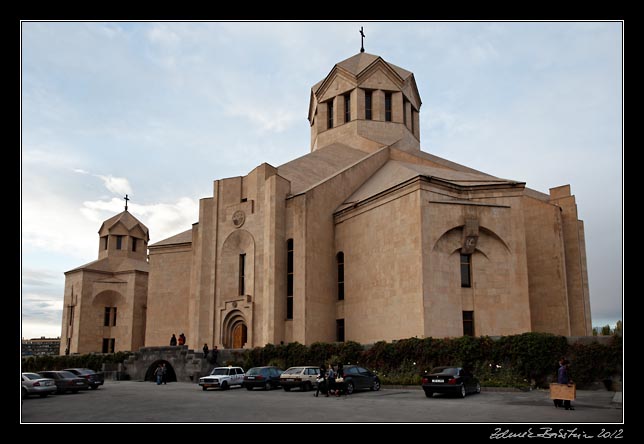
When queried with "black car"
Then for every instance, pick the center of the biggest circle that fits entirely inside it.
(358, 378)
(264, 377)
(66, 381)
(455, 380)
(94, 379)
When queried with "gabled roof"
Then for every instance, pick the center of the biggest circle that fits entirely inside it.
(128, 221)
(114, 265)
(184, 237)
(361, 61)
(395, 172)
(312, 168)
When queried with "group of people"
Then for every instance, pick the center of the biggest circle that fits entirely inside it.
(212, 358)
(331, 380)
(563, 377)
(160, 373)
(174, 342)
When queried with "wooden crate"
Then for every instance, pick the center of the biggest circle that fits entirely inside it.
(563, 391)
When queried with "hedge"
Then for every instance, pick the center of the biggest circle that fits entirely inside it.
(529, 359)
(93, 361)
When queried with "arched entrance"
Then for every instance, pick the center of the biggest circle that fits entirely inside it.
(170, 375)
(235, 330)
(239, 335)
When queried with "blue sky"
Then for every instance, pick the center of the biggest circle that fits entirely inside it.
(159, 110)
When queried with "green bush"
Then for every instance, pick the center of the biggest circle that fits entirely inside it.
(92, 360)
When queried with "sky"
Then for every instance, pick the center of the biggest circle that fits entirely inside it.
(158, 110)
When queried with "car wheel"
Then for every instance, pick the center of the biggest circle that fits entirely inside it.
(376, 385)
(44, 395)
(25, 393)
(224, 386)
(93, 387)
(249, 388)
(478, 387)
(463, 391)
(287, 389)
(74, 391)
(268, 386)
(306, 386)
(349, 388)
(204, 388)
(429, 393)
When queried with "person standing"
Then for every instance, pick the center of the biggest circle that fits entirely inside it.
(563, 377)
(321, 380)
(158, 374)
(214, 355)
(558, 402)
(173, 340)
(330, 380)
(182, 339)
(164, 373)
(205, 350)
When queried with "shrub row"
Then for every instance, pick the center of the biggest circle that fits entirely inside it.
(93, 361)
(511, 361)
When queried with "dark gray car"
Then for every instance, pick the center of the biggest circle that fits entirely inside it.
(94, 379)
(66, 381)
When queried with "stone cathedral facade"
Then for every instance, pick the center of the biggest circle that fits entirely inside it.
(364, 238)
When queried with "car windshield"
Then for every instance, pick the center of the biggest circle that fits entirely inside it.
(65, 374)
(219, 371)
(293, 371)
(31, 376)
(446, 370)
(254, 371)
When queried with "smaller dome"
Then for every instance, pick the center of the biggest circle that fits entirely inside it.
(126, 220)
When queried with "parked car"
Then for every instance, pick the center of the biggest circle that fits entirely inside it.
(455, 380)
(34, 384)
(359, 378)
(66, 381)
(95, 379)
(264, 377)
(222, 377)
(303, 377)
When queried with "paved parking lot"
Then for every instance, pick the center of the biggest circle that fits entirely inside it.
(130, 401)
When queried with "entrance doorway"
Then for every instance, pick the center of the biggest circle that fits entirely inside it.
(240, 335)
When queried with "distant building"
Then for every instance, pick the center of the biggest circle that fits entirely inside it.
(365, 238)
(40, 346)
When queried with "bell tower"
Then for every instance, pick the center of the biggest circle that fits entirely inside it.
(365, 103)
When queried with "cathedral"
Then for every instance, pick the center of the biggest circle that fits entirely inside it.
(365, 238)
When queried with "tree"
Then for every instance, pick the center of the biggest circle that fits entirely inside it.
(618, 328)
(606, 330)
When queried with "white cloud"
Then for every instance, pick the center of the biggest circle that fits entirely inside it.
(80, 171)
(118, 185)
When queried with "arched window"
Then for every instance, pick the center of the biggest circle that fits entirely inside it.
(340, 259)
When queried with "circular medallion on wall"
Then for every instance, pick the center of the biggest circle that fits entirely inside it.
(238, 218)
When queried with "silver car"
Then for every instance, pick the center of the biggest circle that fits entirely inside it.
(304, 377)
(34, 384)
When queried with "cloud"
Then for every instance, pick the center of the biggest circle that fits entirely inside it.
(118, 185)
(80, 171)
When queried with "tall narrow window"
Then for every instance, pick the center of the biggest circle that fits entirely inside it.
(106, 317)
(242, 274)
(367, 105)
(330, 114)
(347, 108)
(71, 314)
(387, 107)
(289, 279)
(411, 116)
(339, 330)
(466, 270)
(119, 242)
(468, 323)
(108, 345)
(113, 316)
(104, 242)
(134, 242)
(340, 259)
(405, 111)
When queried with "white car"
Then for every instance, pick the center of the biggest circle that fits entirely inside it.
(34, 384)
(223, 378)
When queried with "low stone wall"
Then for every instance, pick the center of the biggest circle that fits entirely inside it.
(183, 364)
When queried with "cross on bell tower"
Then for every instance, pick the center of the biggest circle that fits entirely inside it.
(362, 36)
(126, 199)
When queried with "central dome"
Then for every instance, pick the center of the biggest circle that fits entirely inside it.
(365, 103)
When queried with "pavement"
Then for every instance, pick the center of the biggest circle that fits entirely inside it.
(145, 402)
